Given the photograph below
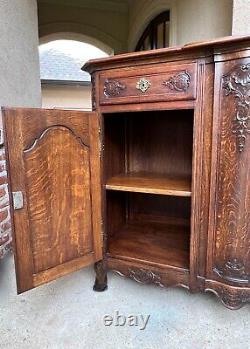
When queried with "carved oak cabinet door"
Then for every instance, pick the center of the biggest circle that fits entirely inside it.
(54, 177)
(229, 247)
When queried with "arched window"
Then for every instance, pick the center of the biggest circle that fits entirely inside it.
(156, 35)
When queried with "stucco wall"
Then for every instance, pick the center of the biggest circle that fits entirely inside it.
(241, 17)
(191, 20)
(66, 96)
(19, 82)
(19, 61)
(201, 20)
(106, 26)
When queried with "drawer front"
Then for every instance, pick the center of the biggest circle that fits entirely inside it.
(160, 83)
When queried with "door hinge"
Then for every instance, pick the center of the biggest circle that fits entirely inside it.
(17, 200)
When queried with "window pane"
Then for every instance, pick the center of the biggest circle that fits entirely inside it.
(147, 44)
(160, 35)
(156, 35)
(166, 34)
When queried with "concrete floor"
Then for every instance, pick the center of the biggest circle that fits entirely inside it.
(67, 314)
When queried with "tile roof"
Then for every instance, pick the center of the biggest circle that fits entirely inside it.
(58, 66)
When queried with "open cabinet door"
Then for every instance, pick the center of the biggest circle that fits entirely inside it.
(54, 181)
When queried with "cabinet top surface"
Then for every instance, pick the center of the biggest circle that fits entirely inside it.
(195, 48)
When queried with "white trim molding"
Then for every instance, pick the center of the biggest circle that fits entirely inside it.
(79, 32)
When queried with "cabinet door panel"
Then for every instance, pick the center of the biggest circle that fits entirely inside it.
(229, 257)
(52, 155)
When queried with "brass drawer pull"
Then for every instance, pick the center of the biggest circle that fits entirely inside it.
(143, 85)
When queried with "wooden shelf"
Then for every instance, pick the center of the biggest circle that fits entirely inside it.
(158, 243)
(150, 183)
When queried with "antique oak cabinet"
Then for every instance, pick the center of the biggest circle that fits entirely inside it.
(153, 184)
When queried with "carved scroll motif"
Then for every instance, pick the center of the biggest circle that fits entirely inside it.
(231, 298)
(113, 88)
(145, 276)
(179, 82)
(233, 271)
(237, 83)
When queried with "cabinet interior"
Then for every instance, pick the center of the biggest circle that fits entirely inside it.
(147, 176)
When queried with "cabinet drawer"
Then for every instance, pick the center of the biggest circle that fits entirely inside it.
(163, 82)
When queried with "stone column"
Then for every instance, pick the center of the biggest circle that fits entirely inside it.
(241, 17)
(19, 81)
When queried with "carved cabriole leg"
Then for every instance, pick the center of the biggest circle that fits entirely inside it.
(101, 276)
(232, 297)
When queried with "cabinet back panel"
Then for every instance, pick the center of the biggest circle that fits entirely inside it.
(151, 228)
(159, 208)
(123, 207)
(161, 142)
(154, 142)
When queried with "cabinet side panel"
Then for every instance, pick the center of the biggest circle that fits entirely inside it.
(229, 240)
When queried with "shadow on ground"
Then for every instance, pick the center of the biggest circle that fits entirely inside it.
(67, 314)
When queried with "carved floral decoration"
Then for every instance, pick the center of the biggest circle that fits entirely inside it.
(179, 82)
(237, 83)
(113, 88)
(233, 270)
(145, 276)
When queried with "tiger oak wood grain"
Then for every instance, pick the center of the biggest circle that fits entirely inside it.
(156, 243)
(50, 162)
(58, 191)
(186, 53)
(142, 182)
(229, 258)
(207, 151)
(159, 79)
(181, 112)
